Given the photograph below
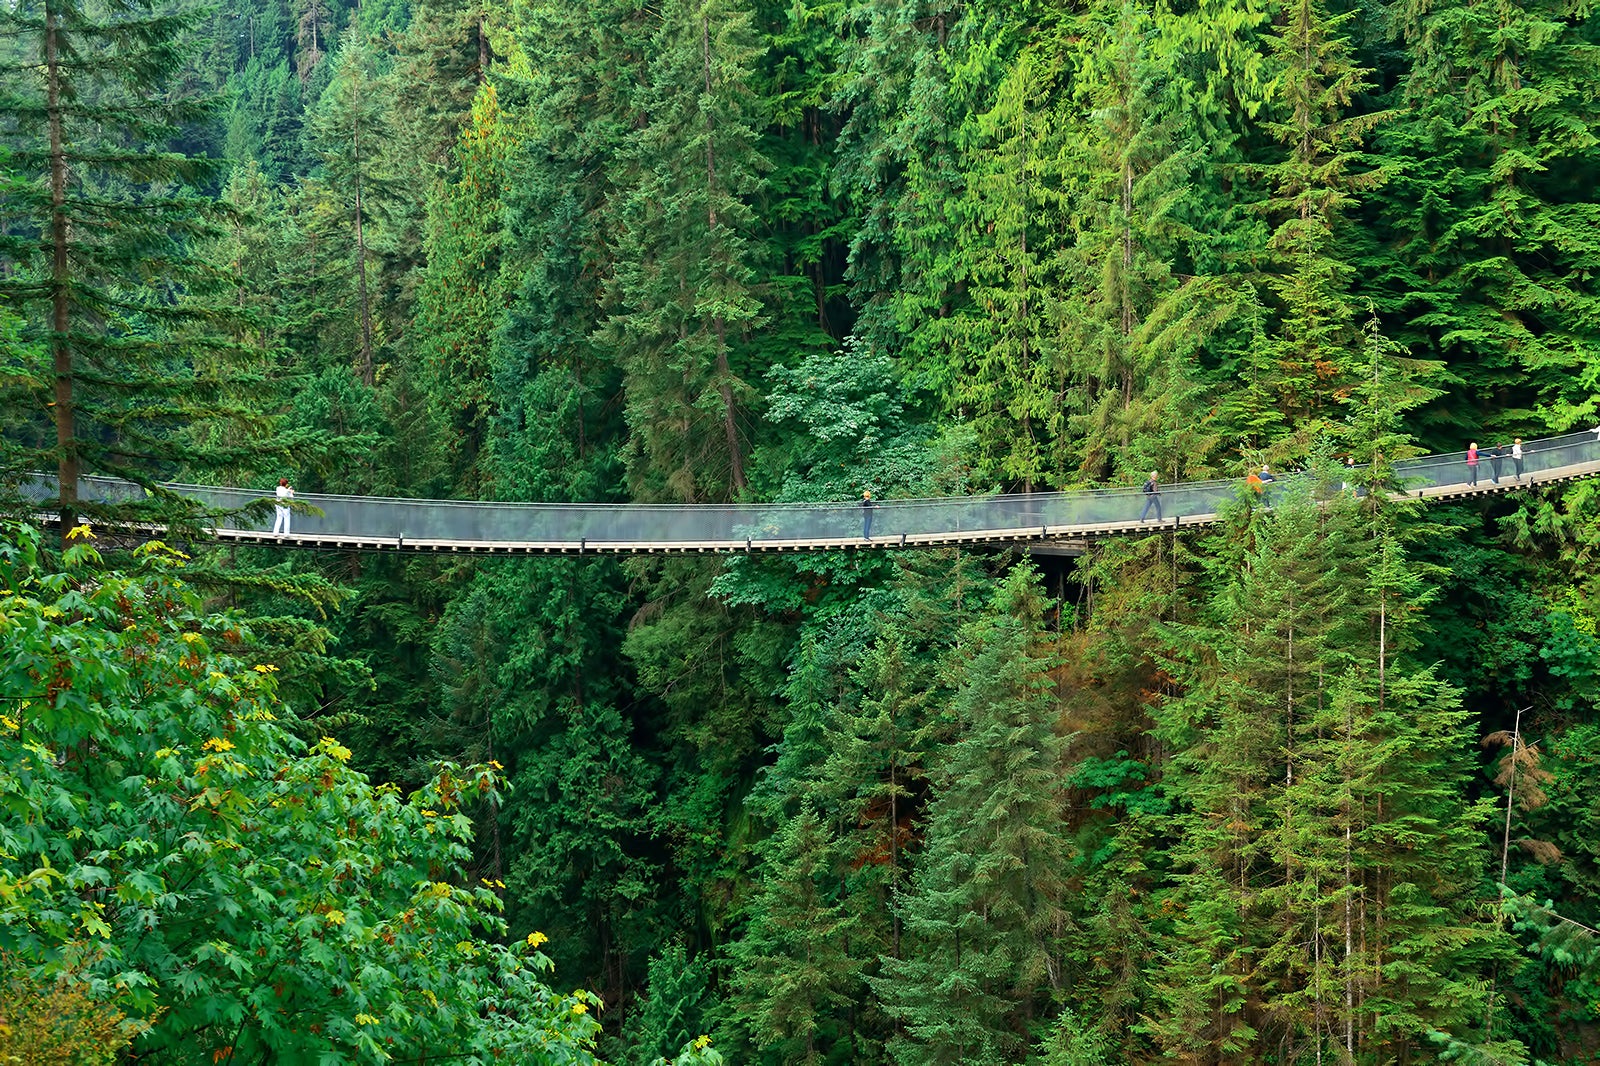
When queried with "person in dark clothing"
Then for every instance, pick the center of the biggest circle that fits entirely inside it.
(1265, 478)
(1152, 498)
(866, 515)
(1497, 453)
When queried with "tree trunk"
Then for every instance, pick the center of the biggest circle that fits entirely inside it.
(483, 49)
(67, 469)
(724, 371)
(368, 375)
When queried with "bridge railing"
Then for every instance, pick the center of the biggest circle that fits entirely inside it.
(600, 525)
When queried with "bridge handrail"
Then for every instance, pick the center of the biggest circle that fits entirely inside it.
(667, 525)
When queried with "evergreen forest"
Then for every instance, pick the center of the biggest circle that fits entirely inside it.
(1317, 784)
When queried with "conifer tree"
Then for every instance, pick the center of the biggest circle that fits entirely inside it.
(1130, 325)
(1256, 666)
(1309, 364)
(896, 163)
(99, 253)
(1486, 241)
(461, 296)
(1005, 372)
(443, 59)
(793, 964)
(1321, 779)
(677, 1005)
(285, 116)
(349, 128)
(683, 301)
(314, 35)
(985, 915)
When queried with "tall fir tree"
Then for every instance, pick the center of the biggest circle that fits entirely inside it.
(684, 299)
(793, 966)
(1132, 322)
(1005, 363)
(462, 297)
(1307, 367)
(1483, 247)
(350, 128)
(896, 163)
(985, 916)
(101, 251)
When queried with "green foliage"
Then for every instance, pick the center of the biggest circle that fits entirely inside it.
(1308, 366)
(1131, 322)
(1486, 251)
(54, 1021)
(1325, 767)
(174, 850)
(683, 297)
(122, 317)
(349, 128)
(462, 292)
(612, 251)
(675, 1005)
(793, 963)
(985, 912)
(1071, 1043)
(697, 1052)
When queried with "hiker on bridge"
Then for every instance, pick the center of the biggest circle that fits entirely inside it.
(866, 514)
(1516, 456)
(1496, 454)
(1258, 480)
(280, 523)
(1472, 464)
(1152, 497)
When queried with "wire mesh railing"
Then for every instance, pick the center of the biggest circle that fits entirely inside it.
(576, 526)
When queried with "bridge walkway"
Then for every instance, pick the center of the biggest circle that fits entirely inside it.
(1059, 522)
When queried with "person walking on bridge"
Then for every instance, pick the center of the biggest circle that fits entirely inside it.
(1152, 498)
(280, 523)
(1516, 457)
(866, 514)
(1472, 464)
(1259, 480)
(1497, 453)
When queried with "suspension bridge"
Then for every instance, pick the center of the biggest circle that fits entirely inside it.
(1061, 522)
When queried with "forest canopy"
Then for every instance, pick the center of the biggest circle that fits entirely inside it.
(1315, 784)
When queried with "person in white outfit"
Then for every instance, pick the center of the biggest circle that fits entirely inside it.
(280, 524)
